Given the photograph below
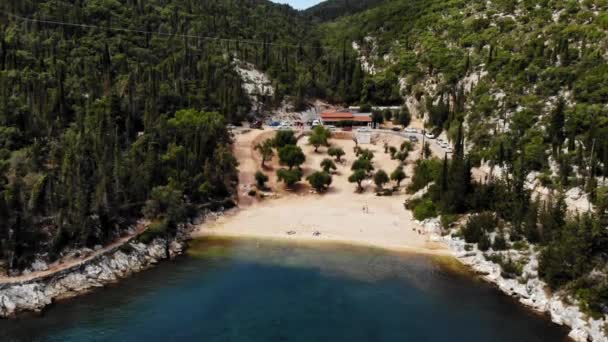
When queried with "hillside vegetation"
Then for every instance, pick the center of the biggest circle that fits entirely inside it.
(521, 88)
(334, 9)
(124, 117)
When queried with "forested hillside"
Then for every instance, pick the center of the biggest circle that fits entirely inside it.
(122, 109)
(521, 88)
(110, 110)
(334, 9)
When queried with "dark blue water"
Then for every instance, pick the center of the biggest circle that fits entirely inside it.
(260, 291)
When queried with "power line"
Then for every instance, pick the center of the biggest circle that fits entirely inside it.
(165, 34)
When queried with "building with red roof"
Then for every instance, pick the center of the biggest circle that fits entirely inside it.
(337, 117)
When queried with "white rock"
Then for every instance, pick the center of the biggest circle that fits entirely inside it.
(533, 292)
(39, 265)
(105, 269)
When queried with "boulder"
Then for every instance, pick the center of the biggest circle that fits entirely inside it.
(39, 265)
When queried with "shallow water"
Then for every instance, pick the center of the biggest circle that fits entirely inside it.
(247, 290)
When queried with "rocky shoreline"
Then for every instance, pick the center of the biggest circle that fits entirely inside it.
(115, 264)
(531, 291)
(134, 256)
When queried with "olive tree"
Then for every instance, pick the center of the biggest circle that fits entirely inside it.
(319, 180)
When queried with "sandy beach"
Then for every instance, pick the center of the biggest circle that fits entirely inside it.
(341, 215)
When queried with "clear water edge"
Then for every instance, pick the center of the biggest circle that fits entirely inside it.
(254, 290)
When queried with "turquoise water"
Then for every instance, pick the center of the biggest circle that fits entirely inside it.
(261, 291)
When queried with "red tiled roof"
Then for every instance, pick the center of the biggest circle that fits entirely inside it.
(337, 115)
(362, 118)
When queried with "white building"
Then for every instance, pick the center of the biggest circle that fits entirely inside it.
(364, 136)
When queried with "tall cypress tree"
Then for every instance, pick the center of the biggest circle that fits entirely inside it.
(556, 125)
(444, 174)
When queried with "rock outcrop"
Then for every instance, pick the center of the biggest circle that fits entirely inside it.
(35, 295)
(531, 291)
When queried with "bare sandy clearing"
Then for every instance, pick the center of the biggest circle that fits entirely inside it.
(340, 215)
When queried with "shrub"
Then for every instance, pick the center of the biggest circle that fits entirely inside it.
(407, 146)
(425, 209)
(328, 165)
(366, 154)
(336, 152)
(425, 171)
(380, 178)
(484, 243)
(289, 177)
(404, 118)
(478, 225)
(166, 202)
(511, 269)
(357, 177)
(319, 180)
(265, 150)
(398, 175)
(392, 150)
(520, 245)
(320, 137)
(291, 155)
(500, 243)
(284, 138)
(447, 220)
(261, 179)
(401, 156)
(155, 230)
(362, 164)
(385, 192)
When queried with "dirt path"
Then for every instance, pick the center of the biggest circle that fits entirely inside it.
(66, 263)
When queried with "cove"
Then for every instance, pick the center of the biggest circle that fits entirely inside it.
(250, 290)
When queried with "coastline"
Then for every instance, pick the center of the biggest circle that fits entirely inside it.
(337, 217)
(35, 293)
(330, 241)
(533, 293)
(326, 220)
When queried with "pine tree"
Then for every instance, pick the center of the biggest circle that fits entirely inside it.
(556, 125)
(531, 222)
(444, 174)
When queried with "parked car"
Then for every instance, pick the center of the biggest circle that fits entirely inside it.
(413, 138)
(410, 130)
(429, 135)
(395, 129)
(256, 124)
(316, 123)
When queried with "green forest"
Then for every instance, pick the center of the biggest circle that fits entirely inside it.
(537, 106)
(110, 110)
(114, 110)
(100, 126)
